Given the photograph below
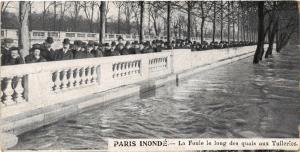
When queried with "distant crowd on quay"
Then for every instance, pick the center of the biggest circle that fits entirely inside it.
(78, 49)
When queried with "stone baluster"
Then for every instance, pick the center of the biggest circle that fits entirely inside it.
(19, 90)
(71, 78)
(57, 81)
(125, 68)
(64, 80)
(135, 67)
(139, 66)
(114, 70)
(8, 92)
(1, 92)
(83, 76)
(121, 69)
(94, 74)
(129, 68)
(117, 69)
(88, 75)
(78, 77)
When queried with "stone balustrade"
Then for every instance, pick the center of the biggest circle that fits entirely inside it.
(31, 86)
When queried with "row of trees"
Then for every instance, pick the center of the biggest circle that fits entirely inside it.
(278, 22)
(220, 20)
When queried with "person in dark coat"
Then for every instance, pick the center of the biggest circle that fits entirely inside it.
(98, 51)
(6, 45)
(112, 51)
(46, 51)
(136, 48)
(64, 53)
(88, 50)
(126, 49)
(79, 50)
(14, 57)
(147, 48)
(121, 49)
(35, 56)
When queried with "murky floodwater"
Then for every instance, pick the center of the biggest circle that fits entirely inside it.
(236, 100)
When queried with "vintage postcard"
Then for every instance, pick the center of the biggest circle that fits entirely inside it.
(150, 76)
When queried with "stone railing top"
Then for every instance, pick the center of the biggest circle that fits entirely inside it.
(23, 69)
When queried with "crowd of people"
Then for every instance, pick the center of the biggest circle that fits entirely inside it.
(79, 49)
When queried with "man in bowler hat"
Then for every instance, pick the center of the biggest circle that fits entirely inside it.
(64, 53)
(46, 51)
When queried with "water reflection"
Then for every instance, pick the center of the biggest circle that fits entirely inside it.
(236, 100)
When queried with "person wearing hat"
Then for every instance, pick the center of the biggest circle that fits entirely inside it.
(14, 57)
(147, 48)
(157, 46)
(88, 50)
(65, 53)
(120, 48)
(98, 51)
(6, 45)
(46, 51)
(112, 51)
(79, 47)
(127, 48)
(120, 39)
(135, 48)
(35, 56)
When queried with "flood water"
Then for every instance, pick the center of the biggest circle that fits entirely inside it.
(235, 100)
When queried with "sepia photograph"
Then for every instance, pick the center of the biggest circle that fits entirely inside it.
(107, 75)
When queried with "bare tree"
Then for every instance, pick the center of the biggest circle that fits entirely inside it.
(141, 28)
(260, 41)
(88, 7)
(23, 31)
(4, 6)
(128, 7)
(76, 6)
(46, 8)
(102, 11)
(64, 6)
(119, 5)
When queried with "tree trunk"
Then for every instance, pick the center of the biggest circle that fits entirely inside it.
(102, 22)
(228, 25)
(214, 22)
(260, 42)
(61, 17)
(141, 29)
(30, 18)
(271, 40)
(54, 18)
(168, 21)
(92, 17)
(149, 20)
(23, 33)
(44, 14)
(238, 25)
(233, 22)
(221, 21)
(128, 15)
(189, 21)
(119, 19)
(202, 27)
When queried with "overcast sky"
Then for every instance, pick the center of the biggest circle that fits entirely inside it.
(38, 7)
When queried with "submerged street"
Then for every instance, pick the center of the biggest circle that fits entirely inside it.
(235, 100)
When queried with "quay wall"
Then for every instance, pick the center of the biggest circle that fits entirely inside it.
(34, 95)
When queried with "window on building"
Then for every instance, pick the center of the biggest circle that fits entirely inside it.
(70, 34)
(80, 35)
(38, 34)
(91, 35)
